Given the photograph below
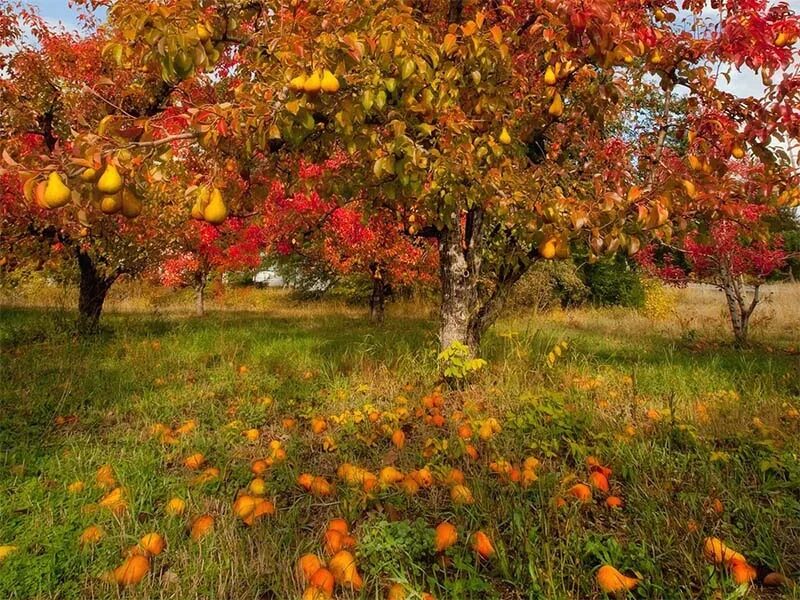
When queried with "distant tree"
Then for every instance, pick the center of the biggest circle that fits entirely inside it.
(733, 254)
(347, 240)
(205, 250)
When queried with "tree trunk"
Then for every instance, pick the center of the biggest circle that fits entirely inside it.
(377, 301)
(738, 310)
(491, 304)
(92, 293)
(200, 297)
(469, 306)
(459, 289)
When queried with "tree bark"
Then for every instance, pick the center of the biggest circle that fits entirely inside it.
(460, 262)
(200, 296)
(738, 308)
(377, 301)
(93, 289)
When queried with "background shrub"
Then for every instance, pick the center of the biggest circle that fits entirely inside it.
(614, 282)
(547, 285)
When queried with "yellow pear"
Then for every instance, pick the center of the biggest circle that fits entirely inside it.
(6, 551)
(203, 34)
(313, 84)
(329, 82)
(110, 182)
(737, 151)
(548, 248)
(557, 107)
(297, 84)
(505, 138)
(131, 205)
(89, 175)
(111, 204)
(56, 194)
(216, 211)
(550, 76)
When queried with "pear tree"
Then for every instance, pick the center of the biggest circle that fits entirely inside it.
(484, 126)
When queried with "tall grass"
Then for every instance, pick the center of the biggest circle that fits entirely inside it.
(681, 418)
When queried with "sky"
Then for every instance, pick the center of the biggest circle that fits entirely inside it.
(743, 83)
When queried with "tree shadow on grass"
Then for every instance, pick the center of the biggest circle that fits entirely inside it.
(50, 373)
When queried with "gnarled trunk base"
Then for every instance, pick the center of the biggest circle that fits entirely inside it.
(92, 294)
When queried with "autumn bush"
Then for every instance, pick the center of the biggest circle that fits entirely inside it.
(547, 285)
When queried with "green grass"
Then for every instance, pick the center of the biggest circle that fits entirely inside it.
(593, 401)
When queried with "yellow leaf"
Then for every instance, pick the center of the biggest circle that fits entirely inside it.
(293, 106)
(449, 43)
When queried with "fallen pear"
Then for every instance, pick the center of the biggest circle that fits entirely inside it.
(56, 194)
(612, 581)
(550, 76)
(110, 182)
(130, 572)
(718, 552)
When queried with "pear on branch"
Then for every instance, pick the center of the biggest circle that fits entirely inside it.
(111, 203)
(216, 212)
(131, 205)
(110, 181)
(56, 193)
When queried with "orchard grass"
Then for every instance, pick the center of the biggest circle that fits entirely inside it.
(682, 419)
